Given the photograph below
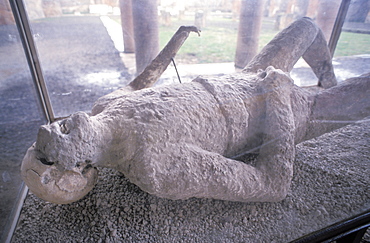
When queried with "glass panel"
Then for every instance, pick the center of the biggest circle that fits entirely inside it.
(222, 22)
(79, 60)
(79, 51)
(352, 55)
(20, 117)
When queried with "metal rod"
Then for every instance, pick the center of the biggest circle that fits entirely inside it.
(337, 28)
(14, 215)
(174, 64)
(25, 33)
(330, 233)
(155, 69)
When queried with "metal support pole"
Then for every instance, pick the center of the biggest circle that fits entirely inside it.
(29, 47)
(25, 33)
(337, 28)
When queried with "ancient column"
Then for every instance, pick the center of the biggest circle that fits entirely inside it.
(312, 8)
(249, 31)
(327, 13)
(6, 15)
(145, 20)
(300, 8)
(200, 19)
(127, 26)
(358, 11)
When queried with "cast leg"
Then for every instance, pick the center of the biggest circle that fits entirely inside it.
(319, 58)
(303, 38)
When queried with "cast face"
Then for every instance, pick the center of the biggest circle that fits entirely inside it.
(58, 167)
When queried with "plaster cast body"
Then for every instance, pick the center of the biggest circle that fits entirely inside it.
(179, 141)
(174, 142)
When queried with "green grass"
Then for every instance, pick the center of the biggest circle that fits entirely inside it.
(216, 45)
(350, 44)
(217, 42)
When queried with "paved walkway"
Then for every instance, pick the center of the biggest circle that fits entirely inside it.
(363, 28)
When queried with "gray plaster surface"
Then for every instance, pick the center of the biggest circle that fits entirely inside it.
(330, 184)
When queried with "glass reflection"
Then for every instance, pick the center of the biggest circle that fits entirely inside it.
(352, 54)
(82, 60)
(79, 60)
(20, 118)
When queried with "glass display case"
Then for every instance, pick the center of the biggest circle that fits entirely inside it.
(59, 57)
(21, 115)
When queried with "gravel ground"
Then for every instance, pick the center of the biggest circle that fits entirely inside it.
(331, 180)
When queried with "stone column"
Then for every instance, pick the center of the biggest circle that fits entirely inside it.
(358, 11)
(249, 30)
(145, 20)
(300, 8)
(312, 8)
(6, 15)
(327, 13)
(200, 19)
(127, 26)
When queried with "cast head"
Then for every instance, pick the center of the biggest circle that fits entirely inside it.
(59, 166)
